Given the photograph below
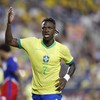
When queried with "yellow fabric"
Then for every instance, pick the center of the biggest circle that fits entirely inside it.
(45, 63)
(50, 3)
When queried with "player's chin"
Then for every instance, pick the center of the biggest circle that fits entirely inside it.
(46, 38)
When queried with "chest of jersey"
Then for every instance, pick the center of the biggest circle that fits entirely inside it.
(43, 55)
(44, 60)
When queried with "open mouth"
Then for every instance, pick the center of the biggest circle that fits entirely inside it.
(46, 35)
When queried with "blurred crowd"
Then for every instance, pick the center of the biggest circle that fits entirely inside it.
(79, 29)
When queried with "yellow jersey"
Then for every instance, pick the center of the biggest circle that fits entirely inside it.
(45, 63)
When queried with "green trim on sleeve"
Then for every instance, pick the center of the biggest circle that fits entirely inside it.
(19, 44)
(70, 63)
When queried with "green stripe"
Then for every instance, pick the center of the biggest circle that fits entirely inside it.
(70, 63)
(49, 46)
(19, 44)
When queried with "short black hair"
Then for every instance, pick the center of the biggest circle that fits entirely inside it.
(5, 47)
(50, 20)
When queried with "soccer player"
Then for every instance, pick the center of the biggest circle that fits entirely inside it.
(9, 89)
(45, 56)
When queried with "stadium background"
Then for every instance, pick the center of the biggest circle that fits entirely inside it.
(78, 22)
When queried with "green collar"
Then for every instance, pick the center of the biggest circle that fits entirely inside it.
(48, 46)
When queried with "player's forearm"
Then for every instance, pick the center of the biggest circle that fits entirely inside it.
(71, 69)
(9, 37)
(8, 34)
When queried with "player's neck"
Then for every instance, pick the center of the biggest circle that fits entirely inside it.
(48, 42)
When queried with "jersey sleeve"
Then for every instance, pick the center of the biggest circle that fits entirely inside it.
(66, 55)
(24, 43)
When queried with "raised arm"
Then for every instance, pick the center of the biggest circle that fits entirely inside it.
(8, 34)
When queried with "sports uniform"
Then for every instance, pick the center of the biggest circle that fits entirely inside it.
(10, 84)
(45, 63)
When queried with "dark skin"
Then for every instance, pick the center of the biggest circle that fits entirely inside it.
(48, 32)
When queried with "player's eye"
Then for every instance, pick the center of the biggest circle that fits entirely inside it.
(49, 27)
(43, 28)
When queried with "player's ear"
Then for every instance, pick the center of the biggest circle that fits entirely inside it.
(56, 32)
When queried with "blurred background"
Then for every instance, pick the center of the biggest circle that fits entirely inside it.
(78, 23)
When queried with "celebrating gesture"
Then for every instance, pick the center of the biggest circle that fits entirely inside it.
(45, 55)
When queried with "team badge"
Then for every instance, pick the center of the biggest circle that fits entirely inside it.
(45, 58)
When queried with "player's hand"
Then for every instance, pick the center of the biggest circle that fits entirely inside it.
(61, 83)
(10, 15)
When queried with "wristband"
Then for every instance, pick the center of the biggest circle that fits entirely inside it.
(67, 77)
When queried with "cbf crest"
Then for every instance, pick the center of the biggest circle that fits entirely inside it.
(45, 58)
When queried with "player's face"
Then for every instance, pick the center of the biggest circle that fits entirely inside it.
(48, 30)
